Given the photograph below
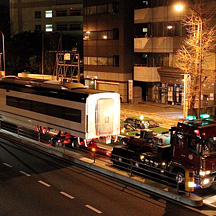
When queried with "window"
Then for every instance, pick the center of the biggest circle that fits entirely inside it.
(92, 10)
(102, 9)
(74, 12)
(110, 8)
(92, 60)
(37, 27)
(49, 27)
(60, 13)
(192, 144)
(102, 60)
(61, 27)
(116, 60)
(106, 61)
(115, 33)
(102, 35)
(37, 14)
(180, 140)
(44, 108)
(48, 14)
(75, 26)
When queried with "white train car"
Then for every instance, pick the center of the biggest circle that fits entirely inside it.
(72, 108)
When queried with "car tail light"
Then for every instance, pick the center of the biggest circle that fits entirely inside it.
(196, 132)
(93, 149)
(108, 153)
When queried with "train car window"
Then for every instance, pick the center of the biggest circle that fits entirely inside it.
(46, 109)
(10, 101)
(71, 114)
(38, 107)
(55, 110)
(24, 104)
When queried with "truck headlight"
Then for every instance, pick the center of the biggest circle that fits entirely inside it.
(142, 157)
(204, 173)
(163, 164)
(205, 181)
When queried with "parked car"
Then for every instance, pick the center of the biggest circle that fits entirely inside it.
(140, 124)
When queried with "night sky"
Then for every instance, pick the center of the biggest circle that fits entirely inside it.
(4, 2)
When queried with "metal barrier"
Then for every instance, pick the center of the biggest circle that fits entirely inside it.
(145, 170)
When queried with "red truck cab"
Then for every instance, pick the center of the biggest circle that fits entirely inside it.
(194, 147)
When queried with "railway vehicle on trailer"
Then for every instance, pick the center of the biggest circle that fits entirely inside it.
(70, 107)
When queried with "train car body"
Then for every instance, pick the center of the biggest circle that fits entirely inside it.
(71, 107)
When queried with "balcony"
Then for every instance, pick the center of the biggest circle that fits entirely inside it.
(154, 45)
(146, 74)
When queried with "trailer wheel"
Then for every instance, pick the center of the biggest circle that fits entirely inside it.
(75, 144)
(115, 160)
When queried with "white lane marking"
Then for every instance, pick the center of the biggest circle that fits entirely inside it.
(24, 173)
(8, 165)
(67, 195)
(44, 183)
(93, 209)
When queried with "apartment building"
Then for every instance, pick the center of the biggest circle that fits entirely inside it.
(47, 15)
(158, 35)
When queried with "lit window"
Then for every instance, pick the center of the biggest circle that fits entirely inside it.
(49, 28)
(48, 14)
(145, 30)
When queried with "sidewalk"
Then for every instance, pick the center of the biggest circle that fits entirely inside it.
(166, 115)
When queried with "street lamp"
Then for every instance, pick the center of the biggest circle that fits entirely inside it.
(3, 51)
(179, 8)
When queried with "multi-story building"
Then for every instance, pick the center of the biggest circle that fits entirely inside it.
(108, 45)
(47, 15)
(159, 33)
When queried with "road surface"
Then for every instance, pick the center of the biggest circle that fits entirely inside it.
(32, 183)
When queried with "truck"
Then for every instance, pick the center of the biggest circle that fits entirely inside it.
(191, 145)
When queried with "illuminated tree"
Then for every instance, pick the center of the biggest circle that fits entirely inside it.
(197, 49)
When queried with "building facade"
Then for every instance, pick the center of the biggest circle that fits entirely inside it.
(159, 33)
(108, 45)
(49, 16)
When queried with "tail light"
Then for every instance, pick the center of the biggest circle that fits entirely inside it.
(93, 149)
(108, 153)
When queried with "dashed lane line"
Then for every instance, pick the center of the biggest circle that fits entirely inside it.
(67, 195)
(44, 183)
(24, 173)
(8, 165)
(93, 209)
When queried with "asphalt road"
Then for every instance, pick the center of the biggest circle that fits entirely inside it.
(32, 183)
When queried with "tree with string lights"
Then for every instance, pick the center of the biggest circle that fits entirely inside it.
(195, 52)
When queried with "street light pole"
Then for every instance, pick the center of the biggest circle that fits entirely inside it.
(3, 50)
(200, 70)
(180, 8)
